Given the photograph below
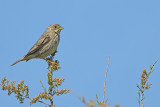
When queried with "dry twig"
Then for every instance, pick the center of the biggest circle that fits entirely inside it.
(105, 79)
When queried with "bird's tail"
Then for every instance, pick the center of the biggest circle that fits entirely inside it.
(18, 61)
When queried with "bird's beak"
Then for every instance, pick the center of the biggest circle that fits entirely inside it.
(61, 28)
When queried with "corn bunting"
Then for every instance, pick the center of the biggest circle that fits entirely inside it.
(46, 45)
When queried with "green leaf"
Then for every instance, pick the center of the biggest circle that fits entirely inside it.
(43, 86)
(97, 98)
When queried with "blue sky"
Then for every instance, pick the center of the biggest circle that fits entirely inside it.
(128, 30)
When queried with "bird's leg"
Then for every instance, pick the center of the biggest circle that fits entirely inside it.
(50, 59)
(53, 54)
(50, 62)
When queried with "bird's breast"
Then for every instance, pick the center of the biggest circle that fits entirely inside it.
(51, 47)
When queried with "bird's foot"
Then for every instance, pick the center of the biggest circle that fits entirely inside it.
(54, 64)
(51, 62)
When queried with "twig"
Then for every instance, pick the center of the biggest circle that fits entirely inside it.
(105, 79)
(153, 66)
(151, 70)
(38, 101)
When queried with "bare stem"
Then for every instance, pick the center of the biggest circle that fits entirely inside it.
(105, 79)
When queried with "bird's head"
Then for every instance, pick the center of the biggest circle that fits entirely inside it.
(55, 27)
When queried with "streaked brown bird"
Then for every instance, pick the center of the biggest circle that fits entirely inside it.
(47, 44)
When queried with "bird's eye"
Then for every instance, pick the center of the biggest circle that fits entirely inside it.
(55, 26)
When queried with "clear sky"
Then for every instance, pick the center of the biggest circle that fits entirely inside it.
(128, 30)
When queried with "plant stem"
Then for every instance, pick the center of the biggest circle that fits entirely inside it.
(142, 97)
(51, 86)
(105, 79)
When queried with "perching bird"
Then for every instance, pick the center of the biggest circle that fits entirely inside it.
(46, 45)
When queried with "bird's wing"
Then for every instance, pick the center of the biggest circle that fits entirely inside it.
(43, 40)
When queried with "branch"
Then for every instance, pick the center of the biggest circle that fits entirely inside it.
(38, 101)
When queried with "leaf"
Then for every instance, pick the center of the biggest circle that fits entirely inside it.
(43, 86)
(97, 98)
